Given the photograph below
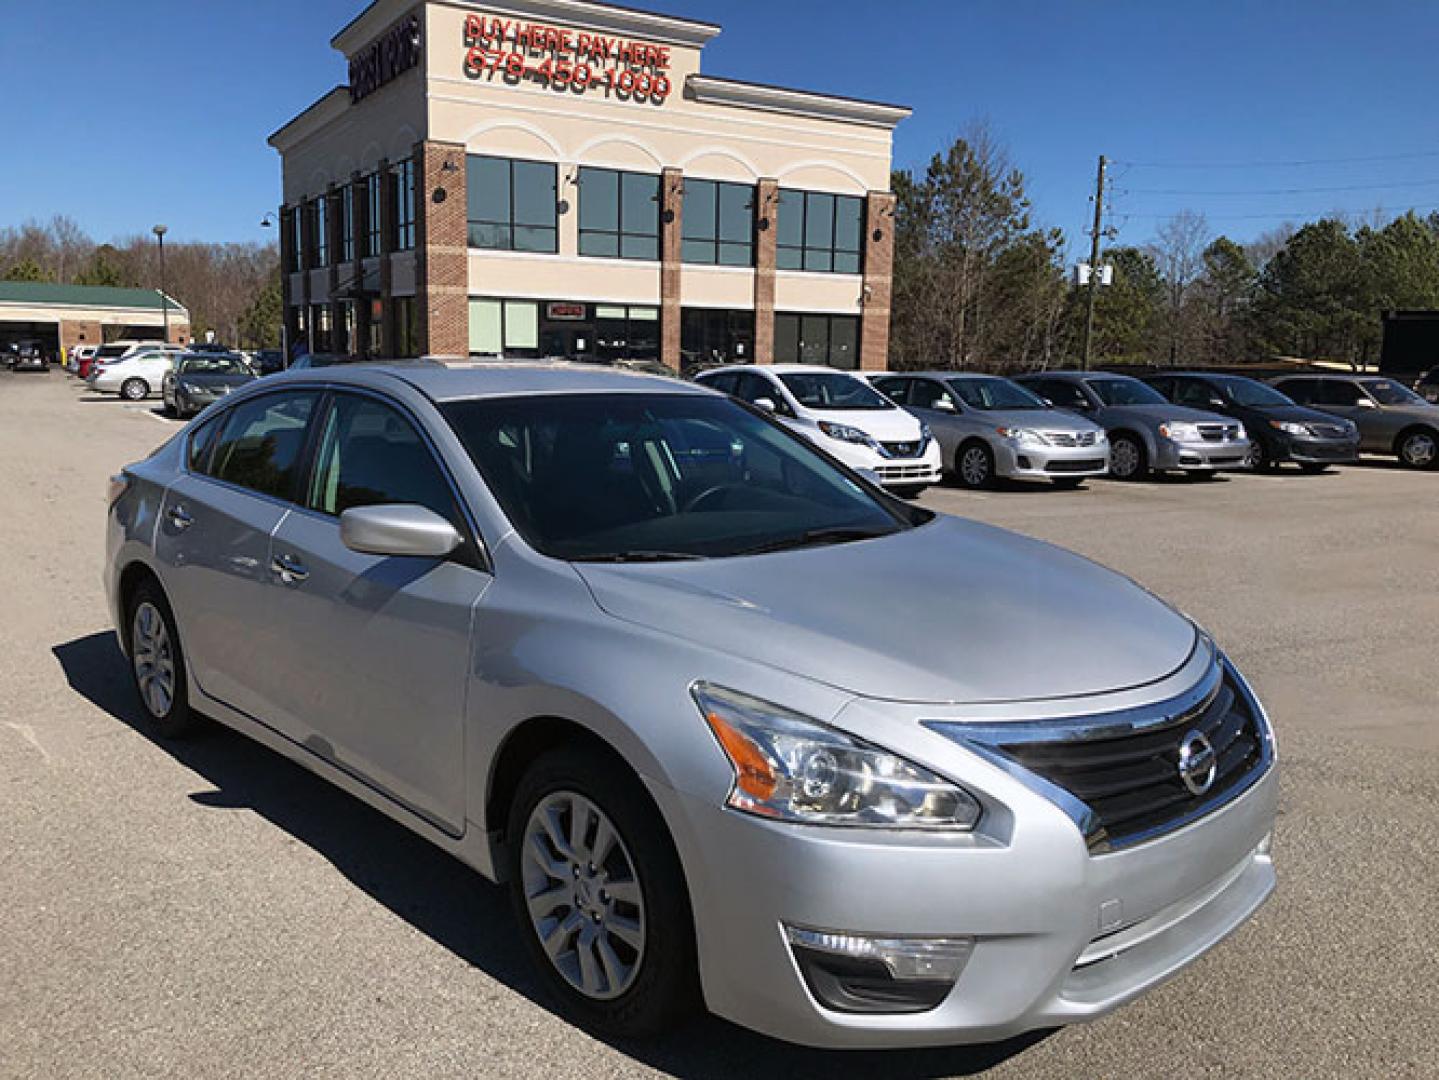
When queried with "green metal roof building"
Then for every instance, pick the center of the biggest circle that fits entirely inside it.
(68, 315)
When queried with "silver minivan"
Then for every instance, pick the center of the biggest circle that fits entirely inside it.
(735, 727)
(990, 428)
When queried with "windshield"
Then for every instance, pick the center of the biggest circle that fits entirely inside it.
(214, 365)
(1243, 391)
(1125, 391)
(824, 390)
(641, 477)
(993, 394)
(1389, 392)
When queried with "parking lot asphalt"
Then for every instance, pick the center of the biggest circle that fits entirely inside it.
(207, 909)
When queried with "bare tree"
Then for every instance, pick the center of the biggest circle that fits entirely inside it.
(1178, 251)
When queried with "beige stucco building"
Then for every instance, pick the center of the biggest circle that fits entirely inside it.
(559, 178)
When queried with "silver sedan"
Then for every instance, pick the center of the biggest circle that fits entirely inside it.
(735, 727)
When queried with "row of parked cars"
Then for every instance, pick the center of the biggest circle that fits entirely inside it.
(187, 379)
(909, 428)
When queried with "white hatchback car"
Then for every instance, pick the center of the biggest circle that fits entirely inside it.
(843, 415)
(135, 376)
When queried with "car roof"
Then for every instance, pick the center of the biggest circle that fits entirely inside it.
(1328, 377)
(781, 369)
(1073, 376)
(481, 379)
(947, 374)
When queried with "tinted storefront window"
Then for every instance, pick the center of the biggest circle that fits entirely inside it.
(512, 205)
(619, 214)
(710, 337)
(718, 223)
(819, 232)
(832, 340)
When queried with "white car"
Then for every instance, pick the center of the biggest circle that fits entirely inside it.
(843, 415)
(136, 376)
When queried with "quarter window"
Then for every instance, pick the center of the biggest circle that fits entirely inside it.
(202, 442)
(718, 223)
(511, 205)
(370, 455)
(619, 214)
(263, 443)
(819, 232)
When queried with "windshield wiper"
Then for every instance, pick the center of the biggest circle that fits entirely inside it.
(816, 537)
(643, 556)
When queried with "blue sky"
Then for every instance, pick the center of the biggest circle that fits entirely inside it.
(122, 115)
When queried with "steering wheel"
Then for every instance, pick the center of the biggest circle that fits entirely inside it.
(692, 504)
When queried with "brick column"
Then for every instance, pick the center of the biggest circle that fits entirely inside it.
(387, 246)
(671, 234)
(332, 278)
(878, 281)
(765, 246)
(355, 269)
(442, 255)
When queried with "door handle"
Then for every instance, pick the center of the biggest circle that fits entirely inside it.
(289, 569)
(180, 518)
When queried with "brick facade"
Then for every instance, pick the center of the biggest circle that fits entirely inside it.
(878, 281)
(442, 254)
(766, 233)
(671, 233)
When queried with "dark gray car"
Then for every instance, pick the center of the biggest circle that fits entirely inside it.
(1392, 419)
(200, 379)
(1146, 433)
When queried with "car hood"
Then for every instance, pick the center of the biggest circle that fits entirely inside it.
(1037, 419)
(1160, 413)
(949, 612)
(886, 425)
(1299, 414)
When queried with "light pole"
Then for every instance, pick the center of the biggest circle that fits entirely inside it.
(268, 222)
(159, 231)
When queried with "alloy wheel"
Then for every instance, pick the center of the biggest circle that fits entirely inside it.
(154, 660)
(1419, 450)
(583, 895)
(1123, 458)
(134, 390)
(974, 467)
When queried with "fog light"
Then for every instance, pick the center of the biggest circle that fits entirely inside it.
(859, 973)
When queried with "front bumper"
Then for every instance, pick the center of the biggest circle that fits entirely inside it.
(1318, 451)
(892, 472)
(1039, 907)
(1202, 455)
(1026, 462)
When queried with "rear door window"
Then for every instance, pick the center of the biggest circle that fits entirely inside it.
(1192, 392)
(263, 443)
(897, 390)
(924, 393)
(1338, 392)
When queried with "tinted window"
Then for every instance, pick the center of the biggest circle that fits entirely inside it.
(1300, 390)
(202, 441)
(751, 387)
(370, 455)
(1125, 391)
(823, 390)
(1337, 392)
(725, 383)
(1066, 395)
(1192, 392)
(629, 476)
(511, 204)
(897, 390)
(1244, 391)
(263, 442)
(1389, 392)
(987, 394)
(619, 214)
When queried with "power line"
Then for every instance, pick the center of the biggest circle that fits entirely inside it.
(1311, 214)
(1303, 163)
(1282, 191)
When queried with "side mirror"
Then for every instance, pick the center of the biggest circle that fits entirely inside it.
(1047, 403)
(767, 404)
(944, 405)
(1366, 403)
(397, 529)
(1216, 403)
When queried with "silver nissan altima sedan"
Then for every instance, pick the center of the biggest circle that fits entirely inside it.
(736, 728)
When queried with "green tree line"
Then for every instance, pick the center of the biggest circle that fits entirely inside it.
(979, 284)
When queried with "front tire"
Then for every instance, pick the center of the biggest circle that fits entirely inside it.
(1259, 458)
(597, 888)
(134, 389)
(157, 663)
(1128, 460)
(1419, 449)
(974, 466)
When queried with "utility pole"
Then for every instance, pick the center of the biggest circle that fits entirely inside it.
(159, 231)
(1094, 238)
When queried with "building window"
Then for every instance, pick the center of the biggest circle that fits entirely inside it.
(718, 223)
(347, 223)
(627, 332)
(374, 214)
(320, 208)
(504, 327)
(819, 232)
(321, 329)
(619, 214)
(404, 205)
(710, 337)
(407, 327)
(297, 240)
(512, 205)
(817, 339)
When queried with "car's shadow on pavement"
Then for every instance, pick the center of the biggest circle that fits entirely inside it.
(453, 905)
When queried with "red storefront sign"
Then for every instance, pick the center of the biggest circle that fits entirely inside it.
(513, 51)
(564, 311)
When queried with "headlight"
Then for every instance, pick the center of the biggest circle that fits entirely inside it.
(1022, 436)
(1289, 427)
(791, 768)
(845, 433)
(191, 388)
(1180, 431)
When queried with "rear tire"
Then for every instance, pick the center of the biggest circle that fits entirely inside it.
(618, 920)
(974, 466)
(1128, 460)
(157, 663)
(134, 389)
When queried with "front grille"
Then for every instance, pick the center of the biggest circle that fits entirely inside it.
(902, 449)
(1218, 432)
(1084, 465)
(1070, 438)
(1325, 451)
(1132, 783)
(904, 472)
